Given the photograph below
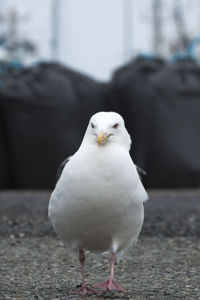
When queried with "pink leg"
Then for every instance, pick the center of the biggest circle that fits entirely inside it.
(110, 285)
(84, 289)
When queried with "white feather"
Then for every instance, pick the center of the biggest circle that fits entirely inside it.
(97, 203)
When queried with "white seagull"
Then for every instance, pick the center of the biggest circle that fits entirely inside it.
(97, 203)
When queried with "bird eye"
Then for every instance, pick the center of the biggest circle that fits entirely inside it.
(92, 125)
(116, 125)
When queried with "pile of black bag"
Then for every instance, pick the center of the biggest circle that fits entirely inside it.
(161, 103)
(44, 112)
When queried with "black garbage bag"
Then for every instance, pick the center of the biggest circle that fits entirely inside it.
(161, 103)
(7, 70)
(4, 162)
(45, 110)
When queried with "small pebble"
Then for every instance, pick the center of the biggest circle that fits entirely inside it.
(10, 222)
(21, 235)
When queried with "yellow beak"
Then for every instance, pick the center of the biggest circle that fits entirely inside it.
(102, 137)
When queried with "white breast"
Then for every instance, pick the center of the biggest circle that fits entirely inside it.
(98, 201)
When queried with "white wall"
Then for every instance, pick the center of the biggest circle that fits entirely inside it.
(92, 35)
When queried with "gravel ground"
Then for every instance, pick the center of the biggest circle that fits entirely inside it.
(165, 264)
(157, 268)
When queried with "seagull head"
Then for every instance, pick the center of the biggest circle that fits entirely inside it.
(107, 128)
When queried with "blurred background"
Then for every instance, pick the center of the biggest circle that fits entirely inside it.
(63, 60)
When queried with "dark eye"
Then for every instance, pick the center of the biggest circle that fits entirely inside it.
(116, 125)
(92, 125)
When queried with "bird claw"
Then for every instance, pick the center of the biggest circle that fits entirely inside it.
(85, 290)
(109, 286)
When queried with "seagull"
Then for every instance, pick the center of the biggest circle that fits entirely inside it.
(97, 203)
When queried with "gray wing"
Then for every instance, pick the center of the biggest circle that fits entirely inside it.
(140, 172)
(61, 167)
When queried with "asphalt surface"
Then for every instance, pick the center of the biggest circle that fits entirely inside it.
(165, 263)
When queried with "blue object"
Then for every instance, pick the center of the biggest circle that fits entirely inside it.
(189, 53)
